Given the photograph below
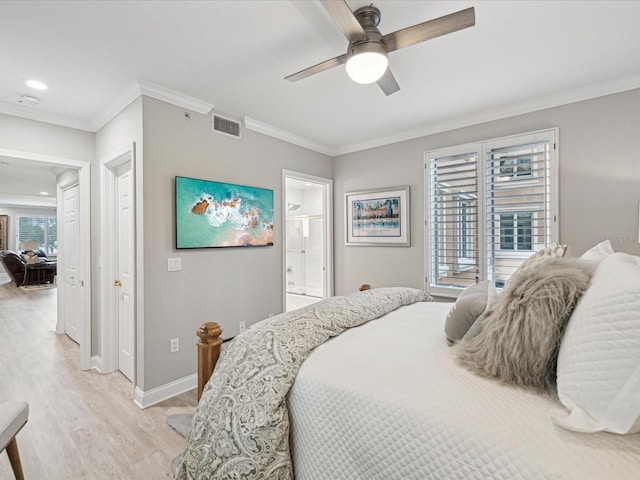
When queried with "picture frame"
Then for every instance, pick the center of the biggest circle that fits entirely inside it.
(212, 214)
(4, 232)
(378, 217)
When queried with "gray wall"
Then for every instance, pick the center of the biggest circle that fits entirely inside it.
(599, 184)
(225, 285)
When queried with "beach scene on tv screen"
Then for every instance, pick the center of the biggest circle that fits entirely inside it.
(214, 214)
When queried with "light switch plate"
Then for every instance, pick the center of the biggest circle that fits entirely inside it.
(174, 264)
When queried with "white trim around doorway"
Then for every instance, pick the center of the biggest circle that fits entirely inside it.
(328, 228)
(84, 182)
(109, 333)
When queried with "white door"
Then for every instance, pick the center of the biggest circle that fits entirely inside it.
(73, 300)
(125, 263)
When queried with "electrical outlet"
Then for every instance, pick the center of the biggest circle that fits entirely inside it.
(175, 345)
(241, 326)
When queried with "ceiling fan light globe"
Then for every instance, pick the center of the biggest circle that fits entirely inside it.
(366, 62)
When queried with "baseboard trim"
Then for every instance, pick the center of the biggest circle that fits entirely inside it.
(159, 394)
(96, 363)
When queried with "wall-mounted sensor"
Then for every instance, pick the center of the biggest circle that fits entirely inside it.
(29, 100)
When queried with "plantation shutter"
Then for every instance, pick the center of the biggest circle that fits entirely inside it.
(518, 204)
(490, 206)
(41, 229)
(454, 220)
(32, 229)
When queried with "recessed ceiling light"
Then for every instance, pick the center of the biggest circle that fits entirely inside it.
(307, 184)
(37, 84)
(44, 193)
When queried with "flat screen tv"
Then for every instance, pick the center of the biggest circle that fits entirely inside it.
(214, 214)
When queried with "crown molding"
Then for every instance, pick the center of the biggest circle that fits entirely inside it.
(115, 106)
(550, 101)
(175, 98)
(284, 135)
(41, 116)
(142, 87)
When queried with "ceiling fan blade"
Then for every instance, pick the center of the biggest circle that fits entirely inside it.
(431, 29)
(320, 67)
(388, 83)
(345, 19)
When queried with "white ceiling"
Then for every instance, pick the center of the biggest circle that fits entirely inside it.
(520, 56)
(23, 181)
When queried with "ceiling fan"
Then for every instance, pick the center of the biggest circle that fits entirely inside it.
(366, 60)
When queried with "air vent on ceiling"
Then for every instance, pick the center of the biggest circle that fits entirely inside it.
(226, 125)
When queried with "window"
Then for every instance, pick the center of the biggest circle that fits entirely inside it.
(42, 229)
(515, 231)
(489, 206)
(515, 167)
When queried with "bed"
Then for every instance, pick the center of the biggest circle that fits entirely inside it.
(382, 398)
(388, 401)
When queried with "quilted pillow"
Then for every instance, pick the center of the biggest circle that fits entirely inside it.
(598, 253)
(599, 359)
(469, 305)
(522, 329)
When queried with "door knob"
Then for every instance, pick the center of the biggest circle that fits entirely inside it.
(117, 283)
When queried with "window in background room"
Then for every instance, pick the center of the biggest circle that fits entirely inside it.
(489, 206)
(42, 229)
(515, 231)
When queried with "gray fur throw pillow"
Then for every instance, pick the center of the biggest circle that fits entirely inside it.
(523, 327)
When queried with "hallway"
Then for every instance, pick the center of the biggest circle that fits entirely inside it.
(81, 424)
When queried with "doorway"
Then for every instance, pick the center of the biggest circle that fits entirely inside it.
(83, 278)
(308, 255)
(119, 262)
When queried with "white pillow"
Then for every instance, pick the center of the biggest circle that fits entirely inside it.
(598, 253)
(599, 359)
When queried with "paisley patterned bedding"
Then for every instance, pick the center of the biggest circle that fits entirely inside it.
(241, 427)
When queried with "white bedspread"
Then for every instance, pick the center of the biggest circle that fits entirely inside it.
(387, 401)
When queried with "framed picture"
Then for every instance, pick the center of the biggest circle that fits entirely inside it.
(378, 217)
(214, 214)
(4, 232)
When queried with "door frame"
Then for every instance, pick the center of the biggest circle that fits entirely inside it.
(108, 217)
(328, 229)
(84, 183)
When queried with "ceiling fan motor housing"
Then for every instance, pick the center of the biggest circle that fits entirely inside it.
(372, 53)
(368, 18)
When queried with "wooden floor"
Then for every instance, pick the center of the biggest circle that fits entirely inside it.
(82, 425)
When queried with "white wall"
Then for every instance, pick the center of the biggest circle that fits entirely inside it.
(599, 184)
(225, 285)
(32, 137)
(26, 135)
